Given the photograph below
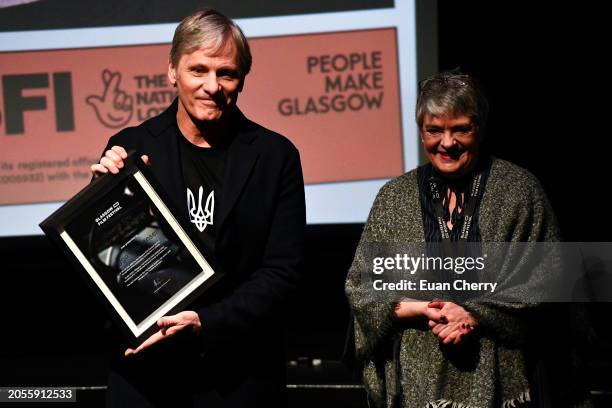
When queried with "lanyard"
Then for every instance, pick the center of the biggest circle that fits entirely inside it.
(448, 249)
(468, 213)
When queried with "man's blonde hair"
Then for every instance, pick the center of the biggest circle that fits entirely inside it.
(212, 30)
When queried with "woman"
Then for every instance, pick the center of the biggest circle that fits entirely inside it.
(424, 353)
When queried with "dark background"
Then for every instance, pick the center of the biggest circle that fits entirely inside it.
(96, 13)
(540, 67)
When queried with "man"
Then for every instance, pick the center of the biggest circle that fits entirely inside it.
(241, 187)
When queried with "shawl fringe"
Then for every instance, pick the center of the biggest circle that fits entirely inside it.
(519, 401)
(522, 398)
(444, 403)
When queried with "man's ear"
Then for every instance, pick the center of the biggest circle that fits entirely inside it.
(171, 73)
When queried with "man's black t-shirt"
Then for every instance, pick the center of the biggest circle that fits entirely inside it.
(203, 171)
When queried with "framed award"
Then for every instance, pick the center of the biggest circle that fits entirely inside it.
(122, 234)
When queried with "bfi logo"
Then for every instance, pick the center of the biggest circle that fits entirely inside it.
(16, 104)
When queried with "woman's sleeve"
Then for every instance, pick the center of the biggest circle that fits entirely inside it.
(373, 313)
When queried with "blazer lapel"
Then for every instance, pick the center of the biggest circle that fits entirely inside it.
(165, 158)
(242, 156)
(168, 170)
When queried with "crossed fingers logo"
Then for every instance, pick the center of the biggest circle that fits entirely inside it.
(114, 107)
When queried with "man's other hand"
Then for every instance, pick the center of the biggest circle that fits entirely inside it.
(169, 326)
(113, 161)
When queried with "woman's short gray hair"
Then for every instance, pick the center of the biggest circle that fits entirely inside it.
(208, 28)
(452, 93)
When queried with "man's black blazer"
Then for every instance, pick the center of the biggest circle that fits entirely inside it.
(259, 232)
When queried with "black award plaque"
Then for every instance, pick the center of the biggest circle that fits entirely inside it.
(121, 233)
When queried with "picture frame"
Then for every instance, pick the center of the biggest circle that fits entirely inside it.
(122, 234)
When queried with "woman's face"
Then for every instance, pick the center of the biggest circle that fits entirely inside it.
(451, 143)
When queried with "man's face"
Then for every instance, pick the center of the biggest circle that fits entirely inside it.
(207, 84)
(451, 143)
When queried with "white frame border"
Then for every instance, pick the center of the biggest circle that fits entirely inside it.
(138, 329)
